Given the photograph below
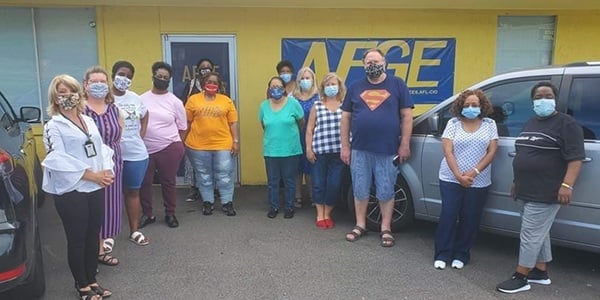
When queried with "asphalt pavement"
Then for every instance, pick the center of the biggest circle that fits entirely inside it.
(252, 257)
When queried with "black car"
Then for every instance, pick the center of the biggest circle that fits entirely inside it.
(21, 265)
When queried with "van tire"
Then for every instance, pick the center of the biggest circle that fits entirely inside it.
(403, 208)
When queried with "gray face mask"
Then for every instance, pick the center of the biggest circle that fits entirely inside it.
(373, 71)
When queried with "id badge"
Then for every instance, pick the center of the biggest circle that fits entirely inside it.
(90, 149)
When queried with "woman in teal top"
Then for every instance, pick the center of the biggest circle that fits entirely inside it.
(281, 121)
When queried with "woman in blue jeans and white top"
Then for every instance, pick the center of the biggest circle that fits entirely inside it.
(469, 142)
(323, 147)
(281, 119)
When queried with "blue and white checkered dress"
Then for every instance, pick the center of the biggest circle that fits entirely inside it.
(326, 138)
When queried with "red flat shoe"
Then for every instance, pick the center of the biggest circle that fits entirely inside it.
(329, 223)
(321, 224)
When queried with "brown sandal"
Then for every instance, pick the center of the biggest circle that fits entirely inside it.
(108, 260)
(387, 241)
(355, 234)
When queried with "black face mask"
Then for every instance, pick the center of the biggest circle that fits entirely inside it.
(160, 84)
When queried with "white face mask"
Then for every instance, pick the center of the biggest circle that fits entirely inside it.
(121, 83)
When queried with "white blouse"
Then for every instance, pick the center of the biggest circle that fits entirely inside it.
(66, 159)
(469, 148)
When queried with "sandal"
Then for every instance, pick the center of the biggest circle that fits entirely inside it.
(355, 234)
(89, 295)
(139, 239)
(108, 245)
(108, 260)
(298, 203)
(104, 293)
(387, 241)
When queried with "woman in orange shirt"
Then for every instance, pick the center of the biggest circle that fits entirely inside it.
(212, 142)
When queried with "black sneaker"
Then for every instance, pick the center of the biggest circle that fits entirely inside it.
(272, 213)
(289, 213)
(193, 195)
(207, 208)
(517, 283)
(538, 276)
(228, 209)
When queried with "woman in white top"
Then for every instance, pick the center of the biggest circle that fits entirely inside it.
(469, 142)
(133, 150)
(77, 168)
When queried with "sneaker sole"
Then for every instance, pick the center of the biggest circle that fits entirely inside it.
(540, 281)
(521, 289)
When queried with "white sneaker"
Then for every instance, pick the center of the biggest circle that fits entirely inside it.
(439, 264)
(457, 264)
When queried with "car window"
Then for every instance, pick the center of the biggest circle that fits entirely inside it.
(512, 105)
(584, 105)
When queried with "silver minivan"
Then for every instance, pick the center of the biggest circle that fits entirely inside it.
(417, 189)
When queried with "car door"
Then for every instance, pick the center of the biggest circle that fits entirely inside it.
(578, 223)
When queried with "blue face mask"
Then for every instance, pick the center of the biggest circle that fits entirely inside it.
(286, 77)
(276, 93)
(98, 90)
(331, 90)
(471, 112)
(544, 107)
(305, 84)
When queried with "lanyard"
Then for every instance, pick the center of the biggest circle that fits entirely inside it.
(83, 129)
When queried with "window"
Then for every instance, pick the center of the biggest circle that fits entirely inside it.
(512, 104)
(584, 105)
(37, 44)
(524, 41)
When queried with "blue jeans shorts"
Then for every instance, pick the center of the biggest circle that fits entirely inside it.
(368, 168)
(133, 173)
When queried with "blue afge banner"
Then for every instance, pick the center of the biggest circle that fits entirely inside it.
(425, 64)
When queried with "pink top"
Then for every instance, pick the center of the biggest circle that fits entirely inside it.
(167, 118)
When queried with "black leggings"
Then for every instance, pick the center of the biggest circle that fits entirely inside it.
(81, 215)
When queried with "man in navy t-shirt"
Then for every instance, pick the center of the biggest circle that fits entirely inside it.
(377, 110)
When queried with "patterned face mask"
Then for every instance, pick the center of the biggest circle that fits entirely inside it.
(373, 71)
(68, 101)
(98, 90)
(121, 83)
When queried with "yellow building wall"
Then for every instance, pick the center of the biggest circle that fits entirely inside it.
(134, 33)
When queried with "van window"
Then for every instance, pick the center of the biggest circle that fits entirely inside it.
(584, 105)
(512, 105)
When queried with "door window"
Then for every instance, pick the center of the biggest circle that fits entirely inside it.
(584, 105)
(512, 105)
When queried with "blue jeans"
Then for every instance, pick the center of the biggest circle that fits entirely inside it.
(279, 168)
(459, 221)
(327, 178)
(211, 166)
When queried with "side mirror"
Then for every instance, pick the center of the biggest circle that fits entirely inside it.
(434, 123)
(30, 114)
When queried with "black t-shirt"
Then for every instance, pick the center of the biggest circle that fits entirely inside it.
(544, 148)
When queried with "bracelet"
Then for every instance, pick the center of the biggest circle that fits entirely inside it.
(566, 186)
(236, 141)
(477, 171)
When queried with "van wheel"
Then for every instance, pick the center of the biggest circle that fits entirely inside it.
(403, 207)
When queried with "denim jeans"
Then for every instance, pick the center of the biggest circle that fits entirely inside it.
(213, 166)
(459, 221)
(279, 168)
(327, 178)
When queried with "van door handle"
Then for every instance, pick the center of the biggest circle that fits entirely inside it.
(587, 159)
(512, 154)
